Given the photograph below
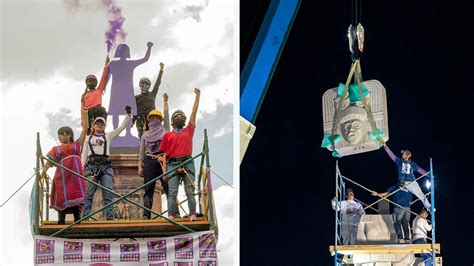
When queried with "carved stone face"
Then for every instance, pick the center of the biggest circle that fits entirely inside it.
(353, 125)
(353, 131)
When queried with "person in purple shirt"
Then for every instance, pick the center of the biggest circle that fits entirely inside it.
(406, 169)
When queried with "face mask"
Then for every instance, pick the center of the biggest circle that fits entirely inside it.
(154, 122)
(145, 87)
(178, 123)
(91, 86)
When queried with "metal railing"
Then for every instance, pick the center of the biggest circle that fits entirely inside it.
(340, 194)
(40, 192)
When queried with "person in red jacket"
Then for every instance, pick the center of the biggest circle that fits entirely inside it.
(178, 147)
(91, 99)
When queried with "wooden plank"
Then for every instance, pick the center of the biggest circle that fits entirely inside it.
(157, 220)
(121, 229)
(385, 249)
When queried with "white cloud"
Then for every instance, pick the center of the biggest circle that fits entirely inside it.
(227, 129)
(224, 200)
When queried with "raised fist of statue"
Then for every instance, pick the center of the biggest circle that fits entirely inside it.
(165, 96)
(128, 109)
(149, 44)
(197, 91)
(162, 65)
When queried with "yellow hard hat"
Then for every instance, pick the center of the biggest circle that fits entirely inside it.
(155, 112)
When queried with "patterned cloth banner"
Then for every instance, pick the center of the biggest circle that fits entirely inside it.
(196, 249)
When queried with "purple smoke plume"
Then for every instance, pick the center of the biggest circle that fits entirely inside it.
(115, 25)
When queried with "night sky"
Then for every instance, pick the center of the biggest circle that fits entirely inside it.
(419, 51)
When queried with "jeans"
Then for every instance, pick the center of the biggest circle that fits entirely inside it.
(151, 170)
(174, 179)
(426, 256)
(106, 180)
(401, 218)
(415, 189)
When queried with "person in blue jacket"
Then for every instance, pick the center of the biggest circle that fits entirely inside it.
(406, 168)
(401, 211)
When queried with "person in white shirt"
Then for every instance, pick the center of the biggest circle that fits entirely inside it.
(351, 213)
(97, 167)
(420, 233)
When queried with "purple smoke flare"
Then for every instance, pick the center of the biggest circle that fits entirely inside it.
(115, 25)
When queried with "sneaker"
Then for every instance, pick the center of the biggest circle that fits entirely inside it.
(171, 216)
(192, 217)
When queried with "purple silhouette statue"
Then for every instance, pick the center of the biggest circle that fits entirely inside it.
(121, 92)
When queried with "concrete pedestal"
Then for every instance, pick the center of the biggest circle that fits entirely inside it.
(126, 179)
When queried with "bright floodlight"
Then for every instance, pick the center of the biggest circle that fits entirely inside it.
(428, 184)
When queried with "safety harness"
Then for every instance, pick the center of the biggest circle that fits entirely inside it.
(98, 160)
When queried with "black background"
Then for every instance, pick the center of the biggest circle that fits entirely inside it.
(420, 51)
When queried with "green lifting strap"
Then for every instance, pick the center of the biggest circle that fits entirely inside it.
(339, 106)
(358, 79)
(355, 92)
(354, 95)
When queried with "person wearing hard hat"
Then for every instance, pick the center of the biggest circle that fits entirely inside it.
(146, 100)
(148, 165)
(97, 166)
(178, 147)
(91, 99)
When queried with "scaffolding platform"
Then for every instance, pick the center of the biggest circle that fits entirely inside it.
(385, 249)
(124, 228)
(376, 239)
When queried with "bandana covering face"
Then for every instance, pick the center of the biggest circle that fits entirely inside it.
(178, 124)
(153, 135)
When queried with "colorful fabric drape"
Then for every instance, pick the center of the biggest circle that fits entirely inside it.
(67, 189)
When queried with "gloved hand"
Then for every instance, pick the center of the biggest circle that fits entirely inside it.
(128, 109)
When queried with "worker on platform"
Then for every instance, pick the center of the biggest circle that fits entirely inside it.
(97, 166)
(401, 211)
(146, 101)
(91, 99)
(351, 213)
(406, 168)
(420, 233)
(67, 189)
(149, 165)
(178, 146)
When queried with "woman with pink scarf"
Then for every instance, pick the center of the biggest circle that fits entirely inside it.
(148, 165)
